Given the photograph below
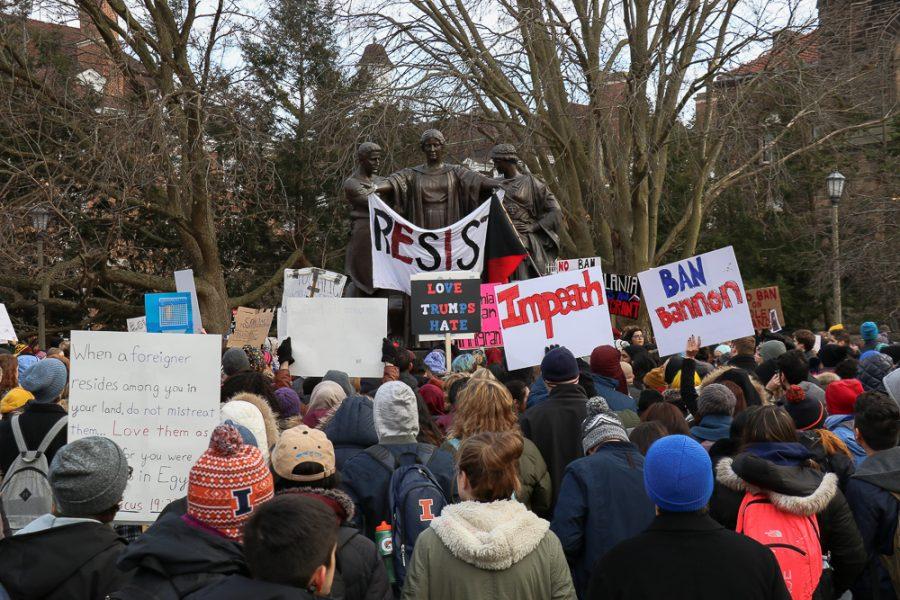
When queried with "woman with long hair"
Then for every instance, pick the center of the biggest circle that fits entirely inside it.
(669, 416)
(488, 541)
(486, 405)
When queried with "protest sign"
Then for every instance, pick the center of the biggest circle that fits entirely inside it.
(762, 302)
(444, 304)
(576, 264)
(702, 295)
(184, 282)
(157, 399)
(137, 325)
(489, 336)
(308, 282)
(568, 309)
(623, 292)
(251, 327)
(7, 332)
(400, 249)
(169, 312)
(337, 333)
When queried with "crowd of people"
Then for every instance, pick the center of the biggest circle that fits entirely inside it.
(767, 467)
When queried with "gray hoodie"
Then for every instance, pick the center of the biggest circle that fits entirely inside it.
(396, 414)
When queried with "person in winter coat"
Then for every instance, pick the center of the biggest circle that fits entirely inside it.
(743, 355)
(892, 385)
(181, 554)
(554, 425)
(609, 379)
(72, 552)
(488, 546)
(794, 370)
(325, 396)
(366, 478)
(840, 398)
(602, 500)
(775, 464)
(868, 331)
(486, 405)
(288, 407)
(289, 544)
(684, 553)
(872, 370)
(46, 381)
(715, 409)
(303, 463)
(254, 413)
(871, 492)
(350, 427)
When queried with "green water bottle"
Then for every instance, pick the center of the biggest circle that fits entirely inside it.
(384, 535)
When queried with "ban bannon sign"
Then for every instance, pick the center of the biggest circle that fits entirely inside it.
(401, 250)
(569, 309)
(702, 295)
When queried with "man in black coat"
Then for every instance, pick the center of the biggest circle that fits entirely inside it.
(554, 425)
(685, 553)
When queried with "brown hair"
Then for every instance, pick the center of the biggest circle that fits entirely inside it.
(669, 417)
(482, 373)
(745, 346)
(769, 424)
(491, 464)
(740, 404)
(805, 337)
(10, 366)
(645, 434)
(484, 405)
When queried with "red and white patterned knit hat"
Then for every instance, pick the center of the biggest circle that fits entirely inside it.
(228, 482)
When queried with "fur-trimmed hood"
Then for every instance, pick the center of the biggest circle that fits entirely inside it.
(797, 490)
(340, 502)
(272, 432)
(716, 374)
(490, 535)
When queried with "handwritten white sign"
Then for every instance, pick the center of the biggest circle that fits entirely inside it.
(7, 332)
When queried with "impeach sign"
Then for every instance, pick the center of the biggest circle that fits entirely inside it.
(623, 292)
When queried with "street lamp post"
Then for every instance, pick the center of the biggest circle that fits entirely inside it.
(40, 218)
(834, 184)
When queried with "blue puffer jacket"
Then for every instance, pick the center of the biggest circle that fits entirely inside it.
(537, 393)
(351, 428)
(601, 503)
(842, 426)
(606, 387)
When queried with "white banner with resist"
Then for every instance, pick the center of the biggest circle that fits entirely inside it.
(568, 309)
(158, 400)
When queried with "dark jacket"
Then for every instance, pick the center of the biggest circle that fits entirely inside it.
(606, 388)
(838, 463)
(688, 556)
(870, 496)
(602, 502)
(173, 559)
(360, 574)
(66, 562)
(238, 587)
(802, 490)
(35, 421)
(745, 362)
(537, 393)
(555, 428)
(367, 481)
(351, 428)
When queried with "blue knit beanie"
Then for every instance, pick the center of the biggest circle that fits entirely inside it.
(46, 380)
(868, 331)
(678, 474)
(559, 365)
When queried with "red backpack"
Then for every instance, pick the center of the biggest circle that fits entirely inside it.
(794, 539)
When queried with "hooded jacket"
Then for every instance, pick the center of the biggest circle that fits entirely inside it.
(360, 574)
(602, 502)
(606, 387)
(496, 550)
(238, 587)
(61, 559)
(842, 426)
(870, 496)
(799, 490)
(172, 560)
(350, 427)
(270, 424)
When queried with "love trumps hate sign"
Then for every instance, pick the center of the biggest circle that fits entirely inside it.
(568, 309)
(702, 295)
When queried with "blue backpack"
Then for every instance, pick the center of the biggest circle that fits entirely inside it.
(416, 498)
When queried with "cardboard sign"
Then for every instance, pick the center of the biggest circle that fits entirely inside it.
(251, 327)
(489, 336)
(137, 325)
(445, 303)
(568, 309)
(7, 332)
(169, 312)
(157, 397)
(762, 302)
(400, 249)
(184, 282)
(702, 295)
(308, 282)
(337, 333)
(623, 292)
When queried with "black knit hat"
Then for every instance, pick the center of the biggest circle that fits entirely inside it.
(648, 396)
(559, 365)
(831, 355)
(808, 413)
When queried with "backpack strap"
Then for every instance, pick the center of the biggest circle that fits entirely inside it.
(382, 456)
(51, 435)
(17, 433)
(424, 453)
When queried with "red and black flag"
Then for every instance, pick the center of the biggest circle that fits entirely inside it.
(504, 249)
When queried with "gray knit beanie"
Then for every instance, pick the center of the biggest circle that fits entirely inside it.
(46, 380)
(234, 361)
(715, 399)
(601, 425)
(771, 349)
(396, 413)
(88, 476)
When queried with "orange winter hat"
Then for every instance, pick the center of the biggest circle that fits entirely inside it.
(228, 482)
